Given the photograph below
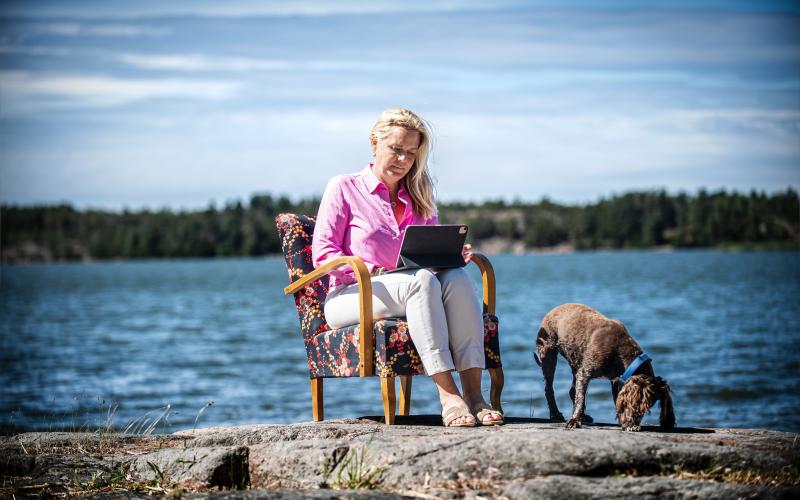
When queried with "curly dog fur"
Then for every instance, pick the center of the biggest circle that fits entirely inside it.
(598, 347)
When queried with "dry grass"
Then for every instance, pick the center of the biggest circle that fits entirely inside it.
(97, 445)
(785, 476)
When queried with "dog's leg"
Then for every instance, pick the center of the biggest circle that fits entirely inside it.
(572, 389)
(614, 391)
(667, 417)
(586, 418)
(581, 384)
(549, 361)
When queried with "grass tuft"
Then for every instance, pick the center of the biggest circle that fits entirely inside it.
(355, 471)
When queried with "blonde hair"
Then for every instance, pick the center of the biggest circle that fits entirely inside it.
(418, 181)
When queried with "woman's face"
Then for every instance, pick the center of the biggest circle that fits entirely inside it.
(395, 154)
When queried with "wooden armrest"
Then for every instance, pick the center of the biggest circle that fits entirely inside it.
(487, 273)
(366, 349)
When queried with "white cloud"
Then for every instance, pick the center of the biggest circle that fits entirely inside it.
(185, 160)
(36, 50)
(21, 88)
(451, 78)
(76, 29)
(578, 156)
(201, 62)
(279, 8)
(527, 102)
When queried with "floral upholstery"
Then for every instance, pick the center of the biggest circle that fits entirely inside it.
(334, 353)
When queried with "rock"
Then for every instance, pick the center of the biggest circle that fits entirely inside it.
(15, 463)
(525, 458)
(569, 487)
(513, 451)
(222, 467)
(284, 494)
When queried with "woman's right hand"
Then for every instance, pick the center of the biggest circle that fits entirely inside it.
(466, 252)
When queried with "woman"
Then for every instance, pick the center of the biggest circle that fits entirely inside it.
(366, 214)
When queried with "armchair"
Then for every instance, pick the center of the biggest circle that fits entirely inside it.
(387, 351)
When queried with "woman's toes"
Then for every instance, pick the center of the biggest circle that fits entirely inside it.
(466, 419)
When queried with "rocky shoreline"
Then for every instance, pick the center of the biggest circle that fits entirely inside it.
(527, 458)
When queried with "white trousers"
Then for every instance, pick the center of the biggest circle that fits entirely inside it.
(442, 310)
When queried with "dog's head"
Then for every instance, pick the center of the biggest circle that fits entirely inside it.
(638, 395)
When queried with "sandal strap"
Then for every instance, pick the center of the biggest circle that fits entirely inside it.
(451, 413)
(485, 411)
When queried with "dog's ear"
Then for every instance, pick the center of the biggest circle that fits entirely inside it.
(635, 398)
(541, 338)
(667, 416)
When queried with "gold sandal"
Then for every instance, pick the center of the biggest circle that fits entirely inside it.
(452, 413)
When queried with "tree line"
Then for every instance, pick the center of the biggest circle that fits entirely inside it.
(632, 220)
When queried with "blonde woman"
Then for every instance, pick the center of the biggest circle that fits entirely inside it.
(366, 214)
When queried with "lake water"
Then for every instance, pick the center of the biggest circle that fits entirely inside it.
(75, 339)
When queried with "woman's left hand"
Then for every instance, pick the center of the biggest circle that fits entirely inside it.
(466, 252)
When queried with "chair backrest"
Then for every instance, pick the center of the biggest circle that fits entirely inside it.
(295, 232)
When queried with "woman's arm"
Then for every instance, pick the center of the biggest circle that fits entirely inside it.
(333, 219)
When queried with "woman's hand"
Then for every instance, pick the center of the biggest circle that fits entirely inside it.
(466, 252)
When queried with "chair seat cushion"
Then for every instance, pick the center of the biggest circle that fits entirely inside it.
(334, 353)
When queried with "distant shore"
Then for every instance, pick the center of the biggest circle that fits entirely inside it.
(31, 253)
(634, 220)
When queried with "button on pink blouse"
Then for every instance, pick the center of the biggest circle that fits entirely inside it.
(355, 218)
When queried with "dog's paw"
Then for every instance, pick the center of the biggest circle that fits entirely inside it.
(573, 423)
(557, 417)
(587, 419)
(632, 428)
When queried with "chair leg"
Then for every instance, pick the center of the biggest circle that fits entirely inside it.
(317, 400)
(405, 395)
(387, 390)
(498, 379)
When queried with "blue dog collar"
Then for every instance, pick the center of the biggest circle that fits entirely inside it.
(635, 364)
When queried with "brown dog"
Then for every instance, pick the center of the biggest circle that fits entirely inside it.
(596, 347)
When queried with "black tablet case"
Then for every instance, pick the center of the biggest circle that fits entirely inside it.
(432, 246)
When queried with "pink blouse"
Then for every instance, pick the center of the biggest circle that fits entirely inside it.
(355, 218)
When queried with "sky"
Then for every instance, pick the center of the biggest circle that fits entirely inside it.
(153, 104)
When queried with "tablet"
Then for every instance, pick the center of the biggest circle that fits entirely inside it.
(432, 246)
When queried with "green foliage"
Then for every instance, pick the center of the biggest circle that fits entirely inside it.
(641, 220)
(117, 476)
(354, 471)
(630, 220)
(160, 476)
(62, 233)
